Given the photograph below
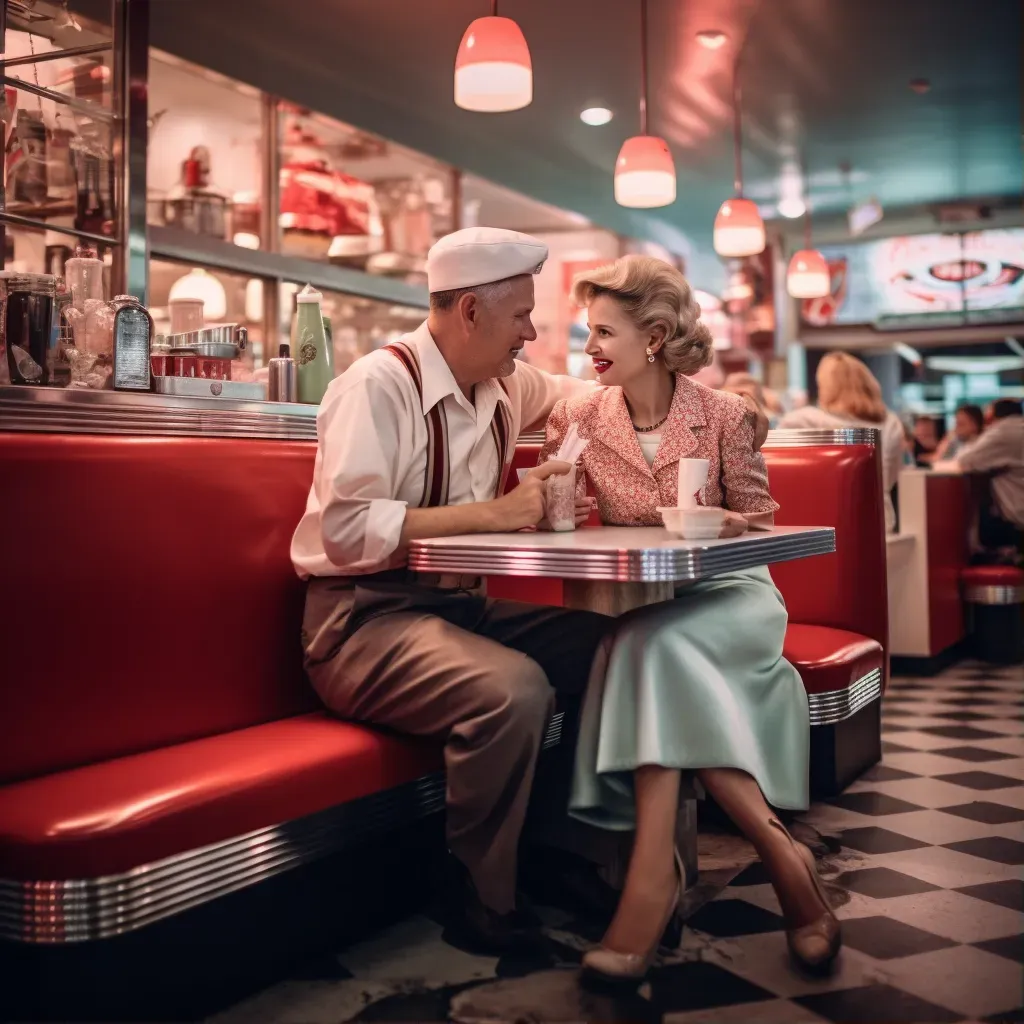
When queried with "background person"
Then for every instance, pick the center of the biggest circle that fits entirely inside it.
(850, 396)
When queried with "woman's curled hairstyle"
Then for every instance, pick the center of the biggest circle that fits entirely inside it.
(653, 295)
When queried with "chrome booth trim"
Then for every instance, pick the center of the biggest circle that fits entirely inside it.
(811, 438)
(994, 594)
(836, 706)
(48, 912)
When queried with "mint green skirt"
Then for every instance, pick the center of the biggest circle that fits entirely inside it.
(697, 682)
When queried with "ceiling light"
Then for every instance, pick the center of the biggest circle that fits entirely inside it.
(739, 229)
(198, 284)
(711, 39)
(808, 276)
(792, 208)
(645, 174)
(493, 70)
(596, 116)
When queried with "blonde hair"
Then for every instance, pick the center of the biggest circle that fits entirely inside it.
(653, 294)
(848, 388)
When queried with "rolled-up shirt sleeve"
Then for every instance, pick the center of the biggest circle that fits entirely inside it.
(540, 391)
(360, 520)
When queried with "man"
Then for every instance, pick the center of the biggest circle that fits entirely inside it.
(415, 441)
(998, 454)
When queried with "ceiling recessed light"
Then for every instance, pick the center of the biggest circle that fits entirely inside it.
(711, 39)
(596, 115)
(792, 208)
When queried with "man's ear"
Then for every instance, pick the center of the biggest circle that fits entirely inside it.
(469, 308)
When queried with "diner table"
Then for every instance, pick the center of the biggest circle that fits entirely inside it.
(612, 569)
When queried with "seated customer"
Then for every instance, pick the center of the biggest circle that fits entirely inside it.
(967, 428)
(697, 683)
(999, 455)
(850, 396)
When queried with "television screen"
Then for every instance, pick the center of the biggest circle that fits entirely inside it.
(939, 280)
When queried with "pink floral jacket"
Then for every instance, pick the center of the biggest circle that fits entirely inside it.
(701, 424)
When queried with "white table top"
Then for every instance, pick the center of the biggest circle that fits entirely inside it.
(616, 553)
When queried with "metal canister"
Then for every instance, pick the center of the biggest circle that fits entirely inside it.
(283, 382)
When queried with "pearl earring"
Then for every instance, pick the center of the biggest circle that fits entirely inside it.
(650, 355)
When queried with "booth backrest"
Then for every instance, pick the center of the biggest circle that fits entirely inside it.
(837, 485)
(147, 593)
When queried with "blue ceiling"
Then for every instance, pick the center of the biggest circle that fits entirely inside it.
(825, 83)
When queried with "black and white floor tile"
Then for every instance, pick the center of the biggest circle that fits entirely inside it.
(923, 857)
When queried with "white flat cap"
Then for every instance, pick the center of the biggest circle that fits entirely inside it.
(475, 256)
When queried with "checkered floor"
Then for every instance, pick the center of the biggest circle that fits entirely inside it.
(924, 858)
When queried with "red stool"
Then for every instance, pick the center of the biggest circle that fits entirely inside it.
(994, 596)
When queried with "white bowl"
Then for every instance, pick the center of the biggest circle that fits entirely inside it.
(700, 523)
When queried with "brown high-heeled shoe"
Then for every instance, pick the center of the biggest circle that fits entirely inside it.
(607, 966)
(815, 945)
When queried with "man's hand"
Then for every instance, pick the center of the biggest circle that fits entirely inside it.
(733, 526)
(524, 506)
(758, 417)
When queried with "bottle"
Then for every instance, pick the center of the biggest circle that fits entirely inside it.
(283, 386)
(309, 343)
(133, 335)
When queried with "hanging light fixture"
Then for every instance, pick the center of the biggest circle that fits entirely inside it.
(645, 174)
(808, 276)
(739, 229)
(493, 70)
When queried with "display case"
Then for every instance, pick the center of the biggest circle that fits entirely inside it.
(74, 132)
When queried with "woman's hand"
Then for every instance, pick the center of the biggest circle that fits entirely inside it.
(734, 525)
(584, 507)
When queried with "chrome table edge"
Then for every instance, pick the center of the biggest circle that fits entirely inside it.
(641, 565)
(79, 910)
(834, 706)
(783, 438)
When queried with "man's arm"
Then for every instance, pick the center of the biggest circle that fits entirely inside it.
(541, 390)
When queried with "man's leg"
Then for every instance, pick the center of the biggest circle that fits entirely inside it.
(416, 673)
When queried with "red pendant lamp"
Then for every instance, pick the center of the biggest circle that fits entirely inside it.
(808, 275)
(645, 174)
(739, 229)
(493, 70)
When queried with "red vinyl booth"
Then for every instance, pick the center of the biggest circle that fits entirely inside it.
(838, 604)
(157, 734)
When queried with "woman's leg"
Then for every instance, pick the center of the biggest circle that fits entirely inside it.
(739, 795)
(651, 881)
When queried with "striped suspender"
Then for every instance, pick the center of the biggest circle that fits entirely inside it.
(436, 476)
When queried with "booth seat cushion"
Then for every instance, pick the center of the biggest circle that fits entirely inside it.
(109, 817)
(992, 576)
(830, 659)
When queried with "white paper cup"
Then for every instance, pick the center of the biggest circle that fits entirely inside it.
(693, 475)
(700, 523)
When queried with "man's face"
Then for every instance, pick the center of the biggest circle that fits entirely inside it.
(498, 330)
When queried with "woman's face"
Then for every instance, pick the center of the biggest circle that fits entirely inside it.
(966, 429)
(617, 347)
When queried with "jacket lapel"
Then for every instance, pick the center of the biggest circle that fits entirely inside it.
(615, 430)
(687, 414)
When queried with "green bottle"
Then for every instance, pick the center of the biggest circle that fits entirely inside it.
(310, 347)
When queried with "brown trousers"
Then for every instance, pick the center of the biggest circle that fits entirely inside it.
(481, 675)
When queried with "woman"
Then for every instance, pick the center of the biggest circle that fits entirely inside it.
(685, 688)
(849, 396)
